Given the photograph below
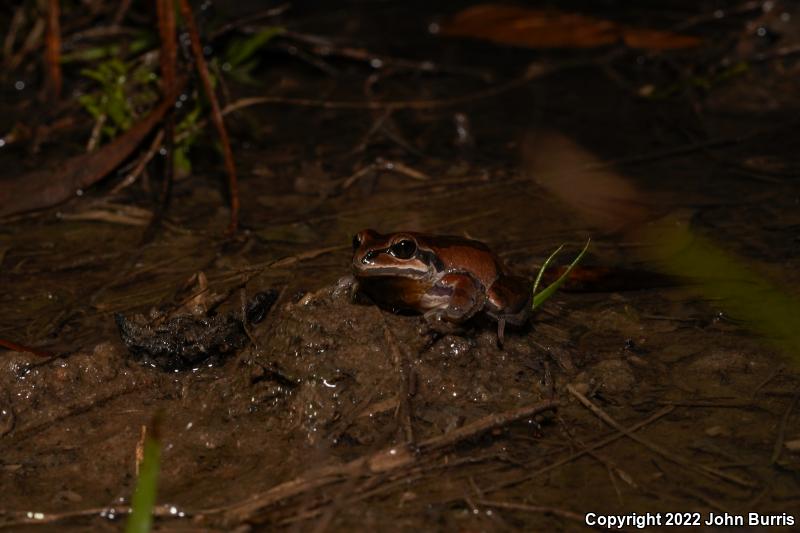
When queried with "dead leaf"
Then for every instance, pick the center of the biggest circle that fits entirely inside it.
(51, 186)
(549, 28)
(645, 39)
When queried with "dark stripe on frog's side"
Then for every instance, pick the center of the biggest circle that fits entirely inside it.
(430, 258)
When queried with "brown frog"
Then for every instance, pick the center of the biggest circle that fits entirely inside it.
(446, 278)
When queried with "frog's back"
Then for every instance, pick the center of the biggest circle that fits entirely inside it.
(462, 254)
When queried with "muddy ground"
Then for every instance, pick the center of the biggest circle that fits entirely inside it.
(337, 415)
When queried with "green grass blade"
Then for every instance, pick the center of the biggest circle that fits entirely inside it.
(240, 51)
(542, 297)
(543, 268)
(144, 497)
(730, 282)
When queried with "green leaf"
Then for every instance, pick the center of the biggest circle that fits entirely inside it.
(144, 497)
(182, 161)
(542, 297)
(544, 267)
(243, 49)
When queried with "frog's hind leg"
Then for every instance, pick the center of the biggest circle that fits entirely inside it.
(456, 297)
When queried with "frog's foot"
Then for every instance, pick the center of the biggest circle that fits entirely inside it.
(515, 319)
(346, 286)
(437, 325)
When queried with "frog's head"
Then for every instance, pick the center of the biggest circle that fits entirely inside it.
(402, 254)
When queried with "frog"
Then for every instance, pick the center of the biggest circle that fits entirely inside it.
(446, 278)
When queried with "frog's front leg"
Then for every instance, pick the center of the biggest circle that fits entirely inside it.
(454, 298)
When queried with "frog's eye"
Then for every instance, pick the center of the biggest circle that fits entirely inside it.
(356, 241)
(403, 249)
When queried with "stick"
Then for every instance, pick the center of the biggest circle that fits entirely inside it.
(216, 114)
(22, 348)
(134, 174)
(405, 407)
(580, 453)
(48, 187)
(708, 471)
(383, 461)
(532, 509)
(168, 65)
(53, 51)
(776, 451)
(533, 72)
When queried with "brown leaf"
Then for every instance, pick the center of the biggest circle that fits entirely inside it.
(548, 28)
(645, 39)
(51, 186)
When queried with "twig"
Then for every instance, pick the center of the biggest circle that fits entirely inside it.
(17, 20)
(100, 32)
(580, 453)
(292, 259)
(168, 55)
(404, 408)
(122, 10)
(700, 495)
(97, 130)
(19, 518)
(385, 165)
(401, 168)
(778, 53)
(145, 158)
(376, 126)
(168, 65)
(101, 215)
(718, 14)
(22, 348)
(31, 42)
(311, 59)
(386, 460)
(776, 450)
(611, 467)
(555, 511)
(10, 418)
(772, 375)
(322, 46)
(363, 408)
(53, 50)
(248, 19)
(68, 411)
(533, 72)
(708, 471)
(38, 188)
(216, 114)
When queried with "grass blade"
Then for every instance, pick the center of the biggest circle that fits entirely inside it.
(543, 268)
(542, 297)
(144, 497)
